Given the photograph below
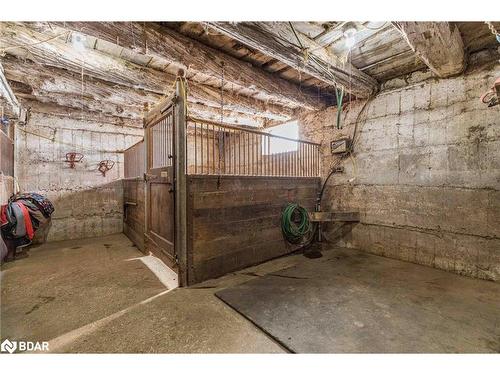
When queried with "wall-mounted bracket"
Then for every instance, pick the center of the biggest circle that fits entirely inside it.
(105, 165)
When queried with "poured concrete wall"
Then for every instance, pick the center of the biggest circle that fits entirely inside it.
(6, 188)
(87, 204)
(425, 174)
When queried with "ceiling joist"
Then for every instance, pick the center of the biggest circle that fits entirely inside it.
(282, 42)
(200, 60)
(8, 96)
(438, 44)
(66, 89)
(59, 53)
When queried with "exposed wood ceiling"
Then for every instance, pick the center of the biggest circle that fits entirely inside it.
(116, 68)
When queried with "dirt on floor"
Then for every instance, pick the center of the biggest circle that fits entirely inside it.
(96, 296)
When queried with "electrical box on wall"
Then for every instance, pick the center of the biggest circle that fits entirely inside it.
(340, 146)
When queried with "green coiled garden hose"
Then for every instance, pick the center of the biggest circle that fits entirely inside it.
(295, 223)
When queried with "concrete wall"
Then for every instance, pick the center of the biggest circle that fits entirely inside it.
(425, 174)
(87, 204)
(6, 188)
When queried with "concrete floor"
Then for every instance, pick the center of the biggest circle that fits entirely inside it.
(88, 296)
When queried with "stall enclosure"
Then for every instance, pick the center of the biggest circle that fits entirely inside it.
(206, 197)
(6, 165)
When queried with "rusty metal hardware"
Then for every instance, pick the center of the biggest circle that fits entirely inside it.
(492, 96)
(105, 165)
(72, 158)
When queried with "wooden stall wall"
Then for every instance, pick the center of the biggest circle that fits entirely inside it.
(234, 221)
(134, 216)
(134, 195)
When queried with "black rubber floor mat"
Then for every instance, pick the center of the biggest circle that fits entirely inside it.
(350, 301)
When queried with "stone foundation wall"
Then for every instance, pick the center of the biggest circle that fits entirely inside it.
(425, 174)
(87, 204)
(6, 188)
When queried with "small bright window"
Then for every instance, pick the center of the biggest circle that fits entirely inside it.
(288, 130)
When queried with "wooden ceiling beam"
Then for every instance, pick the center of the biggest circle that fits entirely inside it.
(9, 97)
(166, 44)
(279, 40)
(66, 89)
(58, 53)
(438, 44)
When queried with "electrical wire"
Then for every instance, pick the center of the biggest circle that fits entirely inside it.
(349, 153)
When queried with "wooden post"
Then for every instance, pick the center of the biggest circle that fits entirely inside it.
(180, 158)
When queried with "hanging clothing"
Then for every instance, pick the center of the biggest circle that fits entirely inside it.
(3, 216)
(37, 217)
(27, 221)
(44, 204)
(20, 227)
(21, 217)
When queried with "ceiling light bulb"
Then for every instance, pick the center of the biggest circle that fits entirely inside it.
(349, 37)
(78, 42)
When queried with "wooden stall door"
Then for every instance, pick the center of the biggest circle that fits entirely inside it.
(160, 206)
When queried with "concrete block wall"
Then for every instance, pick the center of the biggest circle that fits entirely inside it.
(87, 204)
(6, 188)
(425, 174)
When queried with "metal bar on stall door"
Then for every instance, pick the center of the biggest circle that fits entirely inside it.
(239, 153)
(281, 165)
(208, 150)
(267, 157)
(290, 164)
(257, 154)
(315, 161)
(195, 150)
(169, 151)
(309, 161)
(304, 160)
(164, 147)
(234, 151)
(165, 143)
(261, 154)
(213, 148)
(299, 152)
(247, 154)
(318, 170)
(159, 150)
(270, 157)
(252, 144)
(250, 155)
(227, 152)
(257, 151)
(164, 160)
(201, 148)
(297, 161)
